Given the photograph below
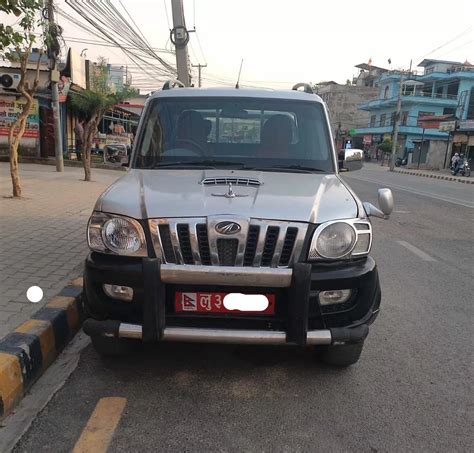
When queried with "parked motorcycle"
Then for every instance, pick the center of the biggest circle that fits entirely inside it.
(401, 161)
(463, 168)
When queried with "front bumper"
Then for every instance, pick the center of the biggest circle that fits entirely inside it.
(299, 319)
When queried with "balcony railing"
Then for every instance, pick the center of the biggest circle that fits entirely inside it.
(423, 94)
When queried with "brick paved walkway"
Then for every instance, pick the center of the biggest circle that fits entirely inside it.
(42, 236)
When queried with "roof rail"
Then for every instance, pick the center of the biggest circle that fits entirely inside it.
(307, 87)
(172, 84)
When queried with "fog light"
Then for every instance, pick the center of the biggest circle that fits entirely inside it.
(119, 292)
(337, 296)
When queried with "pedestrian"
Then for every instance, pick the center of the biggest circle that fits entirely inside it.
(79, 133)
(454, 160)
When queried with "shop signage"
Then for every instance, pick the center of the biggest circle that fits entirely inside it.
(447, 126)
(466, 125)
(10, 108)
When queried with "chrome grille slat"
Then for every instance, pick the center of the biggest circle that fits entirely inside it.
(193, 238)
(259, 243)
(279, 246)
(175, 242)
(298, 247)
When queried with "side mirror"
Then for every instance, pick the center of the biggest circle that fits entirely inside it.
(385, 202)
(350, 159)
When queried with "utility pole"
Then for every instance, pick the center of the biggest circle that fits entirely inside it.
(53, 49)
(180, 37)
(199, 66)
(396, 123)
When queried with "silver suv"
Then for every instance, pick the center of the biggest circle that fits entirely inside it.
(232, 225)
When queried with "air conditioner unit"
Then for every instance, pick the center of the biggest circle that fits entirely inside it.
(9, 81)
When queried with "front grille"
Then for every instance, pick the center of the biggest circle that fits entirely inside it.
(260, 243)
(251, 246)
(227, 251)
(271, 240)
(203, 244)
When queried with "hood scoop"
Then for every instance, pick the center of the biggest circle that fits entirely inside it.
(234, 180)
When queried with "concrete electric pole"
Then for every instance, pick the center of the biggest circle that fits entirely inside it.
(53, 49)
(396, 123)
(199, 66)
(180, 38)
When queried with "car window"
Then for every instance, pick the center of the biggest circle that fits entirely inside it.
(253, 132)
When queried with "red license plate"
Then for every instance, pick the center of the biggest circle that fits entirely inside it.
(213, 303)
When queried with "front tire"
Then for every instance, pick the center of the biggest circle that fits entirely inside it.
(341, 355)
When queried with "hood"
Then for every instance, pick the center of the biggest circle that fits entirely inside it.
(302, 197)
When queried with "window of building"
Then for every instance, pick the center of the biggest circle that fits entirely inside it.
(470, 106)
(392, 118)
(421, 114)
(382, 120)
(372, 121)
(385, 93)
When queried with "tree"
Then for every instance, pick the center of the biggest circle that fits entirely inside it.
(16, 46)
(386, 146)
(91, 105)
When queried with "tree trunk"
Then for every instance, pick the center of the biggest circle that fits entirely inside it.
(19, 127)
(89, 132)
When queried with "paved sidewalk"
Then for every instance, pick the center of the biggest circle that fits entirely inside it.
(42, 236)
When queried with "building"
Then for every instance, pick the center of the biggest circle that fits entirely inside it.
(343, 102)
(443, 89)
(11, 104)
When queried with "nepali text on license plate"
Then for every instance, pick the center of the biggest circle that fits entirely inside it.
(214, 303)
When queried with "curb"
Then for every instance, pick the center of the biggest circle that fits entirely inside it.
(30, 349)
(430, 175)
(67, 163)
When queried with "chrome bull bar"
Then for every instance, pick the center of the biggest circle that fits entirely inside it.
(226, 275)
(186, 334)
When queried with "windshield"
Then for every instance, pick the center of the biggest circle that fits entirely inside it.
(251, 133)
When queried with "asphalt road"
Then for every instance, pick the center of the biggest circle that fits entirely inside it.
(411, 390)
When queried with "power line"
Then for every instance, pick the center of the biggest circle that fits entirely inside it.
(167, 16)
(447, 42)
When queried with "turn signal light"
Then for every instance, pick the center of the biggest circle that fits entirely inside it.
(337, 296)
(119, 292)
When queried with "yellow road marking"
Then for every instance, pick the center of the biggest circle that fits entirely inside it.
(101, 426)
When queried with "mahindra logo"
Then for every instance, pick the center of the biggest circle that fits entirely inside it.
(228, 227)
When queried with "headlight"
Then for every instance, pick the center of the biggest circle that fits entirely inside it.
(341, 239)
(109, 233)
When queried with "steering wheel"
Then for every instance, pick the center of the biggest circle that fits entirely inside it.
(195, 146)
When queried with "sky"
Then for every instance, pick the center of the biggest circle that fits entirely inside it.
(284, 42)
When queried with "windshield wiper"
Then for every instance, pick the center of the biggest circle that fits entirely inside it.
(282, 168)
(200, 163)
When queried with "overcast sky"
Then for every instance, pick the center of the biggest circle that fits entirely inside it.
(284, 42)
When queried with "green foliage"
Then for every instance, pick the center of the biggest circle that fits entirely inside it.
(22, 38)
(94, 101)
(386, 146)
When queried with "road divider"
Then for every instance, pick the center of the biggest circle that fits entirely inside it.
(463, 180)
(28, 351)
